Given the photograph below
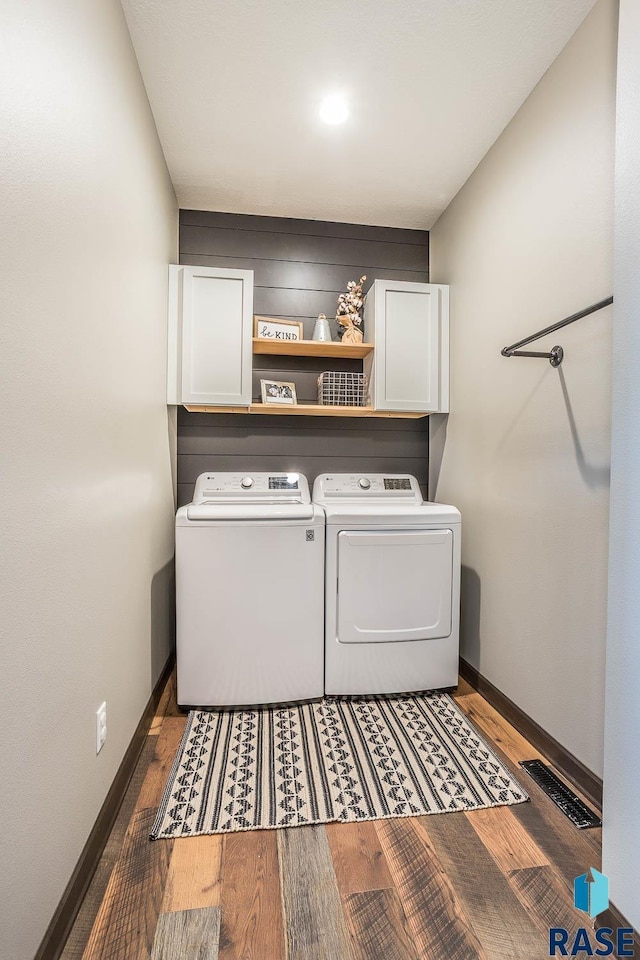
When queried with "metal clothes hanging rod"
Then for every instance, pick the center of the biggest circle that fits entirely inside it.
(556, 353)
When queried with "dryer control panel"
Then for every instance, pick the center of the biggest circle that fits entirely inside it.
(266, 487)
(389, 487)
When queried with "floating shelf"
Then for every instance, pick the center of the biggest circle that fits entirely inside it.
(324, 410)
(312, 348)
(308, 410)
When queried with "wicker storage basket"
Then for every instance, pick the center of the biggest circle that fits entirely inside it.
(343, 389)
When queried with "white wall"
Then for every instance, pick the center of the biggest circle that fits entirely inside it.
(88, 223)
(527, 241)
(621, 837)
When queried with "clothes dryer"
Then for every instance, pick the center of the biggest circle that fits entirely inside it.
(392, 585)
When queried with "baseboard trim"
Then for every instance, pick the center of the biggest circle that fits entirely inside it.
(67, 910)
(568, 765)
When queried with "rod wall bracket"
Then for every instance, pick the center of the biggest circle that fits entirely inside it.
(556, 356)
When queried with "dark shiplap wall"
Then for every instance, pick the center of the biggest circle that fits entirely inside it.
(300, 267)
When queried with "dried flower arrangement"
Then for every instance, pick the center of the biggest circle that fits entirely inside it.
(348, 312)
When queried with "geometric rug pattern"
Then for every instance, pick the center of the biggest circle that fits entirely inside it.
(341, 760)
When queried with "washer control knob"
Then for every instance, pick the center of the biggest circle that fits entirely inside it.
(364, 482)
(246, 482)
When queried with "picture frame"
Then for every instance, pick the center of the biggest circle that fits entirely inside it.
(278, 392)
(271, 328)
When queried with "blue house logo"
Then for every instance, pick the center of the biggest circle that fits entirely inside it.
(591, 892)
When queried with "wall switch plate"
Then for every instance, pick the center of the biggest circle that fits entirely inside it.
(101, 726)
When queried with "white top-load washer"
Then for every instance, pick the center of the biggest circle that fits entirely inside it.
(392, 586)
(249, 591)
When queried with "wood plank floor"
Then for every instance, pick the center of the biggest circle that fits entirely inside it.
(486, 884)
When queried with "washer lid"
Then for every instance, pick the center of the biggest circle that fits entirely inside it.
(377, 513)
(213, 510)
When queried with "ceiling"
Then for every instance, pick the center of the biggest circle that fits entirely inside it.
(235, 87)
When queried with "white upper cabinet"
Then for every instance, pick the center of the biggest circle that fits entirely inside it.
(408, 323)
(210, 330)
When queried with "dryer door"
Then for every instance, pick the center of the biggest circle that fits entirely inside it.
(394, 585)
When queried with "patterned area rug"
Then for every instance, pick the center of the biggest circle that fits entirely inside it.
(335, 760)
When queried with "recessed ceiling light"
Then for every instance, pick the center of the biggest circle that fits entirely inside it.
(334, 109)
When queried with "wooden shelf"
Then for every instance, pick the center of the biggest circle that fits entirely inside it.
(312, 348)
(308, 410)
(318, 410)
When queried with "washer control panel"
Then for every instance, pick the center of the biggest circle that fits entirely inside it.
(397, 483)
(378, 485)
(290, 482)
(268, 487)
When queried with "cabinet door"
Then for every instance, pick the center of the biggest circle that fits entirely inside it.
(216, 320)
(411, 346)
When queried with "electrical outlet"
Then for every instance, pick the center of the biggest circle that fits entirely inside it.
(101, 726)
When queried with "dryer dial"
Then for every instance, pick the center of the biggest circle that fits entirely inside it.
(246, 483)
(364, 483)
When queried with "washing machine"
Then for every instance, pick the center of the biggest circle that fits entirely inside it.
(249, 591)
(392, 586)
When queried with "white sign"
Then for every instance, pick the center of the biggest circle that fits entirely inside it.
(282, 330)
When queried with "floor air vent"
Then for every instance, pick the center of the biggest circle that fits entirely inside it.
(571, 805)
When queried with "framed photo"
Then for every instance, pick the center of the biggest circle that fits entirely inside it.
(267, 328)
(278, 391)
